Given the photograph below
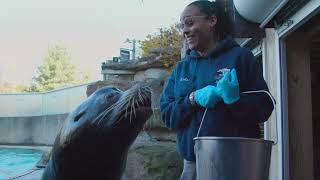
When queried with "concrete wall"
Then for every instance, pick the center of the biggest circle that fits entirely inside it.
(35, 118)
(59, 101)
(30, 130)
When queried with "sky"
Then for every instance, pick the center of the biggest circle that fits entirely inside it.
(91, 30)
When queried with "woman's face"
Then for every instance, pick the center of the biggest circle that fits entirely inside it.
(197, 28)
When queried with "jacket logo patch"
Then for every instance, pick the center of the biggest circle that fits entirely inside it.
(220, 73)
(185, 79)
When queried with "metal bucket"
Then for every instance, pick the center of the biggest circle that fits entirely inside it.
(233, 158)
(229, 158)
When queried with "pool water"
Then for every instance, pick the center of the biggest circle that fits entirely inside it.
(14, 161)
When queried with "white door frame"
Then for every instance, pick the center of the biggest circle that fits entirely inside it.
(297, 20)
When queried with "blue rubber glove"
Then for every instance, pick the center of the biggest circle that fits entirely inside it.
(228, 87)
(207, 97)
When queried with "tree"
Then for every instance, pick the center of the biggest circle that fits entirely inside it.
(87, 77)
(22, 88)
(83, 77)
(56, 71)
(167, 38)
(6, 87)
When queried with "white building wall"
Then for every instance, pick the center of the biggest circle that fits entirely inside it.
(36, 118)
(39, 104)
(12, 105)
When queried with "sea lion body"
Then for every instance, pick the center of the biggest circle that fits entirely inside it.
(94, 142)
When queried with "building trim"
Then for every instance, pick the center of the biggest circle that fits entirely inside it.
(284, 117)
(48, 92)
(117, 72)
(304, 14)
(275, 134)
(245, 42)
(273, 13)
(257, 51)
(279, 108)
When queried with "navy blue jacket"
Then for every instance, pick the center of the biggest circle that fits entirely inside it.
(240, 119)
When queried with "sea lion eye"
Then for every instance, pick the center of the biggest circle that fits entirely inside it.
(79, 116)
(116, 89)
(108, 97)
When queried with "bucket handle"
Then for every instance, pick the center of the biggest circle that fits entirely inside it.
(249, 92)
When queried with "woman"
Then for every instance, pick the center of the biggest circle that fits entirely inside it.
(212, 76)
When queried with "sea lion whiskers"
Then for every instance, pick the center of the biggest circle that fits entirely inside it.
(107, 112)
(127, 109)
(131, 103)
(121, 106)
(140, 96)
(131, 100)
(141, 99)
(131, 109)
(135, 103)
(146, 90)
(103, 114)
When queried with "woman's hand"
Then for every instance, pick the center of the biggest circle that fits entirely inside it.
(228, 87)
(207, 97)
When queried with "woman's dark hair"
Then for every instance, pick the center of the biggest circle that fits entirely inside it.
(214, 8)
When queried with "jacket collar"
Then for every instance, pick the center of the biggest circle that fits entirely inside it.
(224, 45)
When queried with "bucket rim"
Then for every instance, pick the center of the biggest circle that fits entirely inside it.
(231, 138)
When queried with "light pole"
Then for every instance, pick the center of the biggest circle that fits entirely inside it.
(133, 41)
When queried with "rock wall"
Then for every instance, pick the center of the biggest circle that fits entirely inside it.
(152, 73)
(153, 157)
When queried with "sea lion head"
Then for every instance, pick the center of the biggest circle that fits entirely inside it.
(97, 135)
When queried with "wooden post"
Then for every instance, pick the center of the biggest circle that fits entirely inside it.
(299, 107)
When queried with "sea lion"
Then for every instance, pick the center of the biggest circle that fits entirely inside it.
(94, 141)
